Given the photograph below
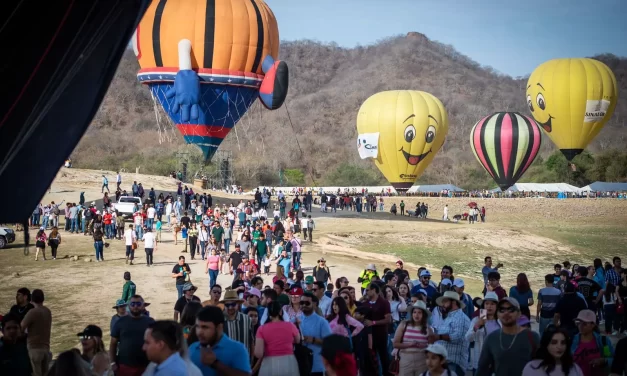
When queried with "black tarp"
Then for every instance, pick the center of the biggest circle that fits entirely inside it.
(58, 59)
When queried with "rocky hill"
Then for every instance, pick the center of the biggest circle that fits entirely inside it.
(327, 86)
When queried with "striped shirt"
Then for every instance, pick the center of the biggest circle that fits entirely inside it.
(413, 334)
(549, 296)
(239, 329)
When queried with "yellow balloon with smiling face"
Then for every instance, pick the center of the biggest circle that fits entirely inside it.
(410, 128)
(572, 99)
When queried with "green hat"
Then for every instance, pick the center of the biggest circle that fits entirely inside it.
(309, 280)
(119, 303)
(283, 300)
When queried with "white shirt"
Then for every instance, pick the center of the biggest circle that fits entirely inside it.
(276, 213)
(119, 178)
(129, 236)
(263, 213)
(304, 222)
(151, 212)
(168, 209)
(149, 240)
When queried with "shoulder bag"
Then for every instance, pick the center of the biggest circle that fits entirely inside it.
(395, 364)
(304, 356)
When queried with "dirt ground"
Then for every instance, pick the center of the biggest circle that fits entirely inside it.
(527, 235)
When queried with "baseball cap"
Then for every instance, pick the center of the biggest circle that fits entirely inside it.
(586, 315)
(309, 280)
(255, 291)
(437, 349)
(423, 291)
(91, 331)
(297, 291)
(509, 300)
(425, 273)
(458, 282)
(446, 282)
(371, 267)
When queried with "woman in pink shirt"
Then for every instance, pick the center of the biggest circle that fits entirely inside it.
(341, 320)
(213, 268)
(275, 344)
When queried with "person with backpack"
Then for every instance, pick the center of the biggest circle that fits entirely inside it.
(592, 351)
(321, 272)
(367, 276)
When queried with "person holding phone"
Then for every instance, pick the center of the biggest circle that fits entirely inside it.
(481, 326)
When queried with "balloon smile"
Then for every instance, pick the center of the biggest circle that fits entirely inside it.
(414, 159)
(547, 126)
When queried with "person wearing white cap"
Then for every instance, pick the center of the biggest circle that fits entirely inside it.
(411, 338)
(366, 277)
(424, 283)
(451, 333)
(507, 351)
(458, 286)
(481, 326)
(436, 362)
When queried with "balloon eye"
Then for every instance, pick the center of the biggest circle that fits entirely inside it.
(410, 133)
(430, 135)
(529, 103)
(540, 101)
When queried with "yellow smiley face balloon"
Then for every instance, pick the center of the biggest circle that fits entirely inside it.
(571, 99)
(402, 130)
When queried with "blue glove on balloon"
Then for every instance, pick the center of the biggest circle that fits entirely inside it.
(186, 94)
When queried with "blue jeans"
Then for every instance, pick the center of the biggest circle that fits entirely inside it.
(74, 225)
(296, 259)
(35, 220)
(139, 232)
(543, 324)
(99, 246)
(83, 225)
(213, 278)
(179, 290)
(202, 249)
(227, 244)
(149, 222)
(44, 224)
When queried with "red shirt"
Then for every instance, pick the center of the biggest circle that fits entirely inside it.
(107, 219)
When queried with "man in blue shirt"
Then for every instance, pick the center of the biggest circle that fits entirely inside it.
(425, 277)
(160, 345)
(314, 329)
(215, 353)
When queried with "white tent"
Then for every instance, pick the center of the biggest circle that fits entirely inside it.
(600, 186)
(541, 187)
(435, 188)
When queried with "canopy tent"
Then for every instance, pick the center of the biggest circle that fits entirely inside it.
(541, 187)
(435, 188)
(601, 186)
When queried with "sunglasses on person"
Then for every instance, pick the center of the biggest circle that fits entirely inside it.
(136, 304)
(85, 338)
(230, 305)
(508, 309)
(306, 303)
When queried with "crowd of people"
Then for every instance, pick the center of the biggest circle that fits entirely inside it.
(298, 324)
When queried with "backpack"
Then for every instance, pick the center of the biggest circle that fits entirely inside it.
(56, 210)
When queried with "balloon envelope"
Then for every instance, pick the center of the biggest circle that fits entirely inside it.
(572, 99)
(230, 41)
(409, 128)
(505, 143)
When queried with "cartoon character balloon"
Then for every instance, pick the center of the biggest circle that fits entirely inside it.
(572, 99)
(505, 143)
(207, 61)
(402, 130)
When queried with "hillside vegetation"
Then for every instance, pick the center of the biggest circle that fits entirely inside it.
(327, 86)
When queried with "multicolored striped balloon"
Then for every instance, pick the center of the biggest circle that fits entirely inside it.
(505, 143)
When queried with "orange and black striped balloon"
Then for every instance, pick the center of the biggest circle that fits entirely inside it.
(229, 37)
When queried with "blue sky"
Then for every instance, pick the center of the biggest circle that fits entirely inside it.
(511, 36)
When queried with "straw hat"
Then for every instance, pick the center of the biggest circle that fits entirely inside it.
(451, 295)
(418, 305)
(230, 296)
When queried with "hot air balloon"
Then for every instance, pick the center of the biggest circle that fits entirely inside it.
(572, 99)
(402, 130)
(207, 61)
(505, 143)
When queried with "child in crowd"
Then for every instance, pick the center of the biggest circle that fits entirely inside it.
(436, 361)
(158, 228)
(267, 262)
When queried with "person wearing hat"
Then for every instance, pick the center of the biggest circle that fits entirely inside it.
(121, 310)
(436, 357)
(411, 338)
(91, 343)
(366, 276)
(309, 281)
(506, 351)
(188, 296)
(482, 325)
(237, 325)
(451, 332)
(321, 271)
(592, 351)
(458, 287)
(424, 283)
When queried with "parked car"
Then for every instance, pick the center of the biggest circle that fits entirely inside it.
(7, 236)
(126, 204)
